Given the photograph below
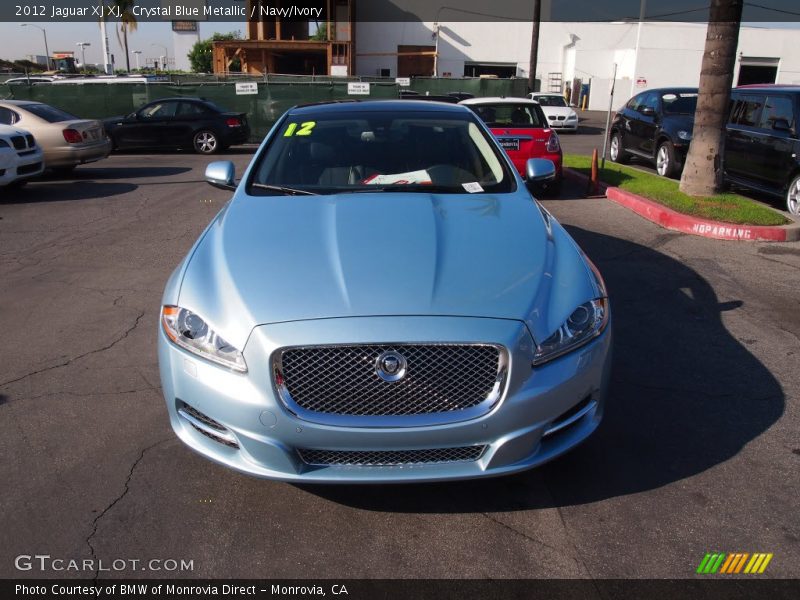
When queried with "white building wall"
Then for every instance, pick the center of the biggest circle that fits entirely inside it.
(669, 54)
(182, 44)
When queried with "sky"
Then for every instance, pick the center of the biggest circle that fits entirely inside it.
(18, 42)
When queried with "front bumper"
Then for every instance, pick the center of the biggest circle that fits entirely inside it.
(268, 438)
(14, 167)
(564, 126)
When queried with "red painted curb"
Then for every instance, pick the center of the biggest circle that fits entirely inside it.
(675, 221)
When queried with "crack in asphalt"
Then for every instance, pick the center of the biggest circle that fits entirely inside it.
(148, 388)
(115, 501)
(76, 358)
(530, 538)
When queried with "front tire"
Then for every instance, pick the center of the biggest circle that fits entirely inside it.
(616, 151)
(793, 197)
(666, 163)
(205, 142)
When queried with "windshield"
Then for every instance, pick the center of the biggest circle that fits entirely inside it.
(509, 114)
(550, 100)
(363, 151)
(49, 113)
(683, 103)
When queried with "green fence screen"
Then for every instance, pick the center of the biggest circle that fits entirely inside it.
(275, 95)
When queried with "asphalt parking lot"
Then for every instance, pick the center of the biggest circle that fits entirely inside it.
(699, 450)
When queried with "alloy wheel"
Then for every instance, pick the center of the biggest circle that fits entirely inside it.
(793, 197)
(662, 161)
(205, 142)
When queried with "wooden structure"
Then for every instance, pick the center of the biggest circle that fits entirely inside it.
(276, 45)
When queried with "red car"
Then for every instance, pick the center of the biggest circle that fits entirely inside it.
(521, 128)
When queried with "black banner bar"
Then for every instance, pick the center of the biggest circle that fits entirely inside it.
(52, 11)
(735, 587)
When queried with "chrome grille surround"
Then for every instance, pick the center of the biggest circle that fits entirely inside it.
(389, 458)
(339, 385)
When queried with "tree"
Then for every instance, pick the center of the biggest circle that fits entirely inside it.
(200, 57)
(122, 9)
(702, 173)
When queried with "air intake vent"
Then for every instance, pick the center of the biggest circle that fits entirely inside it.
(390, 458)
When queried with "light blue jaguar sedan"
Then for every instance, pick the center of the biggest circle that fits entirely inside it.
(382, 300)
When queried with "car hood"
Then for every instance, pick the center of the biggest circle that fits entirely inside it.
(10, 131)
(558, 111)
(285, 258)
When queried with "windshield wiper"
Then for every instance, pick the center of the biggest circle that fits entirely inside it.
(285, 190)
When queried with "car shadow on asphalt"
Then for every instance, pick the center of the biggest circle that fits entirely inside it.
(685, 396)
(122, 173)
(61, 191)
(220, 155)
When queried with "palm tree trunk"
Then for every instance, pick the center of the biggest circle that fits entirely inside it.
(127, 54)
(702, 173)
(537, 19)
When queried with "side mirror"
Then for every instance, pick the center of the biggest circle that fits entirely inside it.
(648, 111)
(781, 125)
(539, 170)
(221, 174)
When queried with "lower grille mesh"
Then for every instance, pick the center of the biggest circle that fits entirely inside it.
(388, 458)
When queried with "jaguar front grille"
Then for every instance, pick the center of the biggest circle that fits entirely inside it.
(430, 378)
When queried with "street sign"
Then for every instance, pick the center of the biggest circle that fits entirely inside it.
(245, 88)
(357, 88)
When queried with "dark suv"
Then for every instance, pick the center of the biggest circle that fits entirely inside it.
(762, 146)
(655, 125)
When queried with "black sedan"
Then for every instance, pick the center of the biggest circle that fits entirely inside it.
(179, 123)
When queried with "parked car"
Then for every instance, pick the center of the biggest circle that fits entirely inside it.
(560, 115)
(193, 123)
(383, 301)
(30, 80)
(655, 125)
(20, 157)
(520, 125)
(66, 140)
(762, 145)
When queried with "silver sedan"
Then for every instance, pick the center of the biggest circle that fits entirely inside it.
(67, 141)
(382, 300)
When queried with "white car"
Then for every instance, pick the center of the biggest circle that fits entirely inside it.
(559, 113)
(20, 156)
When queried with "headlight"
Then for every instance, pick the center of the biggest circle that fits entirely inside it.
(584, 324)
(685, 135)
(4, 144)
(189, 331)
(572, 117)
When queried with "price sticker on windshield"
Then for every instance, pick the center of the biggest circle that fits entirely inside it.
(301, 129)
(473, 187)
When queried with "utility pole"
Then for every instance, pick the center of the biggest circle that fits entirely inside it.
(104, 39)
(642, 11)
(537, 19)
